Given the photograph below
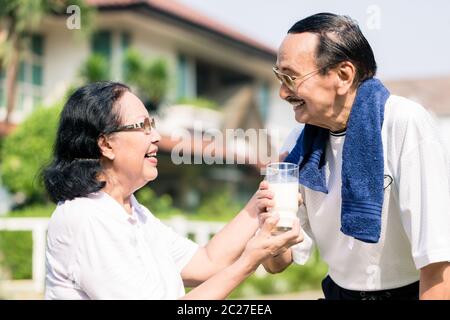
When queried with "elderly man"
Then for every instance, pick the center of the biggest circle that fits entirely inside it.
(373, 174)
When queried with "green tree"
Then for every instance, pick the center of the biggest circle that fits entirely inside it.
(18, 18)
(27, 150)
(218, 205)
(94, 69)
(150, 77)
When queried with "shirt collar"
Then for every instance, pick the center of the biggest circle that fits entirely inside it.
(108, 202)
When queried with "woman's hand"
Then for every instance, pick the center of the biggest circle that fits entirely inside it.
(265, 245)
(265, 201)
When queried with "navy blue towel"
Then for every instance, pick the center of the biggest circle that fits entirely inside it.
(362, 162)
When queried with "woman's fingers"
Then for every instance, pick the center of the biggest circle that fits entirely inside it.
(265, 205)
(264, 199)
(269, 225)
(260, 194)
(263, 185)
(264, 216)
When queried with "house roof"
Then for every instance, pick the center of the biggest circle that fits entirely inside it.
(432, 93)
(185, 14)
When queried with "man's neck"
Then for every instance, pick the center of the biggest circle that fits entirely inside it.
(342, 112)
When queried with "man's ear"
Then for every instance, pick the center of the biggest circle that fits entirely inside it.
(346, 72)
(105, 147)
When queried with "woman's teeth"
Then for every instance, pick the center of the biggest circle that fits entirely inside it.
(150, 154)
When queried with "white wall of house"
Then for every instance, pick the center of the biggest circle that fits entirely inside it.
(64, 52)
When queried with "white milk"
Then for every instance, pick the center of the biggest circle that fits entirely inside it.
(286, 203)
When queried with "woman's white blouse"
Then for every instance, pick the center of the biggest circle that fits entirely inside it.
(96, 250)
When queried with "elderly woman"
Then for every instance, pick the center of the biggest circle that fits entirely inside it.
(102, 244)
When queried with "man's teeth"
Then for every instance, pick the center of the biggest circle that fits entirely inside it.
(299, 104)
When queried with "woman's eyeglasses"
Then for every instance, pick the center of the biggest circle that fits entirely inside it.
(148, 124)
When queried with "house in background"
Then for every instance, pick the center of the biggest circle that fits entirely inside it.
(205, 59)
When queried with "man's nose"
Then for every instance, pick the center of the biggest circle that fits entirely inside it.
(284, 91)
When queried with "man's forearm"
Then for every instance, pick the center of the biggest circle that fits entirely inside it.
(279, 263)
(435, 281)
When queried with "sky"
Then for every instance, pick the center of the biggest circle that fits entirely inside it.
(410, 38)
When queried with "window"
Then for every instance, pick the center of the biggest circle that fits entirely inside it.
(30, 77)
(125, 41)
(101, 44)
(112, 46)
(264, 100)
(182, 76)
(186, 77)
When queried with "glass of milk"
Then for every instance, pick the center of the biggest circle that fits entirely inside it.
(283, 182)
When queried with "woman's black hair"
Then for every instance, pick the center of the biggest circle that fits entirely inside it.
(89, 112)
(340, 39)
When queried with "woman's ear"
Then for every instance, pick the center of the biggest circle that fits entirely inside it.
(105, 147)
(346, 73)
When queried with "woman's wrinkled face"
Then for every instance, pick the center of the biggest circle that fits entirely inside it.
(134, 150)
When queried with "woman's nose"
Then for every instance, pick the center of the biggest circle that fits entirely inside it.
(155, 136)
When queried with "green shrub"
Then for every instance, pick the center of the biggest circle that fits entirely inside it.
(27, 150)
(218, 206)
(160, 206)
(36, 210)
(294, 279)
(16, 246)
(149, 76)
(95, 68)
(199, 102)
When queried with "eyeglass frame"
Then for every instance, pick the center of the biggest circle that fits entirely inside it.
(138, 125)
(292, 79)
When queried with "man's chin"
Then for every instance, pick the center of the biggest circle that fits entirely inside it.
(300, 117)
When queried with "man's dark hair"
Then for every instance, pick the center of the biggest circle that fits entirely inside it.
(89, 113)
(340, 39)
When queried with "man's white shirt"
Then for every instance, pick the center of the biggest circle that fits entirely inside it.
(416, 209)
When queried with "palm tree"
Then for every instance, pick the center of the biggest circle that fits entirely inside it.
(17, 19)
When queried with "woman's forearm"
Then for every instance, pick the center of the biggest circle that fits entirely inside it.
(220, 285)
(227, 245)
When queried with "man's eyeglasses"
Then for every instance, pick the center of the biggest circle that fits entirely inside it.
(148, 124)
(289, 81)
